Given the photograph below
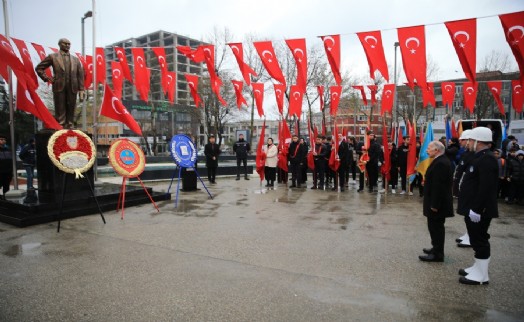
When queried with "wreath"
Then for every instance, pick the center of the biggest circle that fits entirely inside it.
(127, 158)
(71, 151)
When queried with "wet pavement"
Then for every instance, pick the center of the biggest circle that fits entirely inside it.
(252, 254)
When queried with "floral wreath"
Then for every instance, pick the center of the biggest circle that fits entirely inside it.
(127, 158)
(71, 151)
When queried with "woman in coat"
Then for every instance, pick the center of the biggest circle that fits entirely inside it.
(270, 169)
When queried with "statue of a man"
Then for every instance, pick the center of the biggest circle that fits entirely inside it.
(67, 80)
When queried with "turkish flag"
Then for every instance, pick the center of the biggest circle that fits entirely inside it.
(114, 109)
(470, 95)
(361, 88)
(55, 50)
(196, 55)
(463, 34)
(495, 89)
(332, 47)
(454, 132)
(280, 91)
(258, 93)
(335, 92)
(27, 100)
(374, 90)
(269, 59)
(141, 73)
(283, 143)
(26, 59)
(192, 82)
(320, 90)
(512, 23)
(121, 55)
(41, 53)
(517, 96)
(8, 58)
(296, 95)
(412, 153)
(428, 95)
(238, 85)
(386, 167)
(100, 66)
(169, 85)
(88, 75)
(216, 82)
(448, 93)
(334, 160)
(372, 43)
(299, 51)
(312, 137)
(117, 78)
(160, 53)
(388, 94)
(413, 49)
(245, 69)
(83, 61)
(261, 155)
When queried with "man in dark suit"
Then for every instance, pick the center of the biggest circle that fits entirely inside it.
(438, 200)
(67, 80)
(211, 151)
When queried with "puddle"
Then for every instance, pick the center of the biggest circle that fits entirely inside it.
(24, 249)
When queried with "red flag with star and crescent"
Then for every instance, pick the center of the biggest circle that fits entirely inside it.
(269, 60)
(114, 109)
(261, 155)
(334, 160)
(26, 59)
(122, 58)
(196, 55)
(332, 48)
(513, 25)
(428, 96)
(496, 88)
(296, 96)
(374, 90)
(320, 90)
(27, 100)
(117, 78)
(41, 53)
(412, 42)
(448, 93)
(388, 93)
(245, 69)
(141, 74)
(280, 91)
(363, 93)
(372, 43)
(9, 58)
(470, 95)
(169, 85)
(258, 94)
(299, 51)
(284, 141)
(100, 61)
(335, 92)
(238, 85)
(160, 53)
(517, 96)
(192, 82)
(463, 34)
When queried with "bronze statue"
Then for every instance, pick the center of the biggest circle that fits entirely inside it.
(67, 80)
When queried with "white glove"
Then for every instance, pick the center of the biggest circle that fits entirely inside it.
(379, 163)
(474, 216)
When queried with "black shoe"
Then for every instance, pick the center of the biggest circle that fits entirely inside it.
(463, 245)
(458, 240)
(462, 272)
(428, 250)
(341, 189)
(246, 178)
(238, 178)
(268, 185)
(334, 189)
(431, 258)
(293, 186)
(314, 187)
(359, 190)
(464, 280)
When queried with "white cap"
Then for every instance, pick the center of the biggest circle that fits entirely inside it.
(465, 135)
(482, 134)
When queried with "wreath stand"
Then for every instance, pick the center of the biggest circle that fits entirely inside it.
(178, 183)
(64, 181)
(122, 195)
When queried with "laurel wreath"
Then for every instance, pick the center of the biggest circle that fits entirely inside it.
(71, 160)
(121, 170)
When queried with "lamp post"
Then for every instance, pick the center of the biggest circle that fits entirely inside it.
(395, 77)
(88, 14)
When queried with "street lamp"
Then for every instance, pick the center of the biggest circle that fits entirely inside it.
(88, 14)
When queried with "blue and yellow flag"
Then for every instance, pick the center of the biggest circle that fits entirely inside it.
(423, 159)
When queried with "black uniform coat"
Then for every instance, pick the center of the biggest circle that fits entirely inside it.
(478, 190)
(437, 189)
(210, 151)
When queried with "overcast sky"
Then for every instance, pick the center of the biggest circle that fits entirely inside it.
(44, 22)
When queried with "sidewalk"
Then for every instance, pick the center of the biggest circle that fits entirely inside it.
(252, 254)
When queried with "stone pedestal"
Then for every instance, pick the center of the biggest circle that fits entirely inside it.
(50, 178)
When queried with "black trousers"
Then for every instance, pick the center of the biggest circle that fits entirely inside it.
(437, 233)
(5, 181)
(243, 160)
(479, 237)
(296, 173)
(320, 169)
(403, 180)
(372, 170)
(342, 176)
(211, 173)
(270, 174)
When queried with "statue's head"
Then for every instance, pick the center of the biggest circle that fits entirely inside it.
(64, 44)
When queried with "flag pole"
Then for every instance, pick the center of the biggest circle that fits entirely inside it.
(95, 94)
(11, 107)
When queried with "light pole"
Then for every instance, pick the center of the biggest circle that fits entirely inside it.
(395, 77)
(88, 14)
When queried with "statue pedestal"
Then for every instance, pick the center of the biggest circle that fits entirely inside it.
(51, 179)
